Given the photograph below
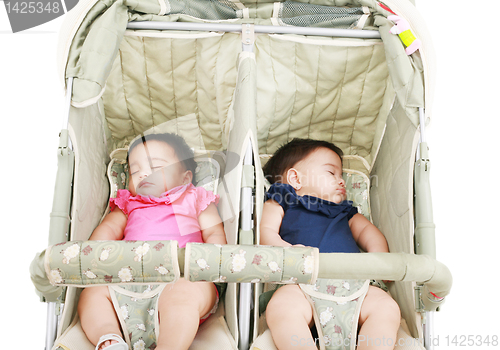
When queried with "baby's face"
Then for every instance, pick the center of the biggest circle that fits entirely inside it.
(320, 175)
(155, 169)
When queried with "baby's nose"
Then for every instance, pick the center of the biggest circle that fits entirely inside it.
(144, 173)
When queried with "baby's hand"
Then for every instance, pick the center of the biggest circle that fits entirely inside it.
(298, 245)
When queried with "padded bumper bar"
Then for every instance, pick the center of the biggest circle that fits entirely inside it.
(434, 278)
(136, 262)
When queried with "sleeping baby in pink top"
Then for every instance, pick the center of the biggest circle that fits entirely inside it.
(161, 204)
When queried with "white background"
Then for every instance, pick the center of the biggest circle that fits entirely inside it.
(463, 139)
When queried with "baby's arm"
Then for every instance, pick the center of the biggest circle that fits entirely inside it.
(272, 215)
(367, 235)
(212, 230)
(111, 228)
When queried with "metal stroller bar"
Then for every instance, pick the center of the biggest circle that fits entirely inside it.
(69, 91)
(424, 229)
(59, 225)
(245, 299)
(265, 29)
(421, 114)
(428, 330)
(50, 333)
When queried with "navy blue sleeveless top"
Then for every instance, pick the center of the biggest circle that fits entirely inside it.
(313, 221)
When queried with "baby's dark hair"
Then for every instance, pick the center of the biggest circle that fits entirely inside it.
(181, 148)
(291, 153)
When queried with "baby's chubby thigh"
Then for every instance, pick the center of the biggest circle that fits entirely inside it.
(379, 320)
(97, 314)
(180, 307)
(378, 302)
(289, 317)
(189, 296)
(289, 299)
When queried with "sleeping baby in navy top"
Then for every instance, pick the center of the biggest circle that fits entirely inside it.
(306, 205)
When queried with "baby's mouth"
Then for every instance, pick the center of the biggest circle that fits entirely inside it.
(144, 183)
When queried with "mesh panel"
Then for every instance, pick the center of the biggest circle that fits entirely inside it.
(204, 9)
(308, 15)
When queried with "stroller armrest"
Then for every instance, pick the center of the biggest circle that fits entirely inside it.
(250, 263)
(44, 288)
(433, 278)
(87, 263)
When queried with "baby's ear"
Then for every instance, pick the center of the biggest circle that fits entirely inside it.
(293, 179)
(188, 177)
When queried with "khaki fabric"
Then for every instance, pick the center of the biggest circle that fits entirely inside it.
(404, 340)
(90, 184)
(392, 200)
(318, 92)
(158, 79)
(336, 90)
(240, 129)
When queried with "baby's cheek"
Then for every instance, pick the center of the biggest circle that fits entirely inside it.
(131, 186)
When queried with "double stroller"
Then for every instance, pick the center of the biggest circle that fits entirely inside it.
(237, 79)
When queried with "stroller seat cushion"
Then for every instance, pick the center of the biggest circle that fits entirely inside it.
(357, 187)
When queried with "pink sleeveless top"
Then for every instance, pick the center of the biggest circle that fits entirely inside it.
(172, 216)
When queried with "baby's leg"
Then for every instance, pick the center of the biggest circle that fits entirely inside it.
(180, 307)
(289, 317)
(97, 315)
(379, 320)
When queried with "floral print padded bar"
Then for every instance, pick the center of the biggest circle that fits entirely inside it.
(248, 263)
(86, 263)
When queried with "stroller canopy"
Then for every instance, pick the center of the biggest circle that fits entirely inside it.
(320, 84)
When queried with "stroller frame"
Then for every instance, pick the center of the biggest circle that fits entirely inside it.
(424, 231)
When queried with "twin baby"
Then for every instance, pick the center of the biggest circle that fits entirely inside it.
(306, 205)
